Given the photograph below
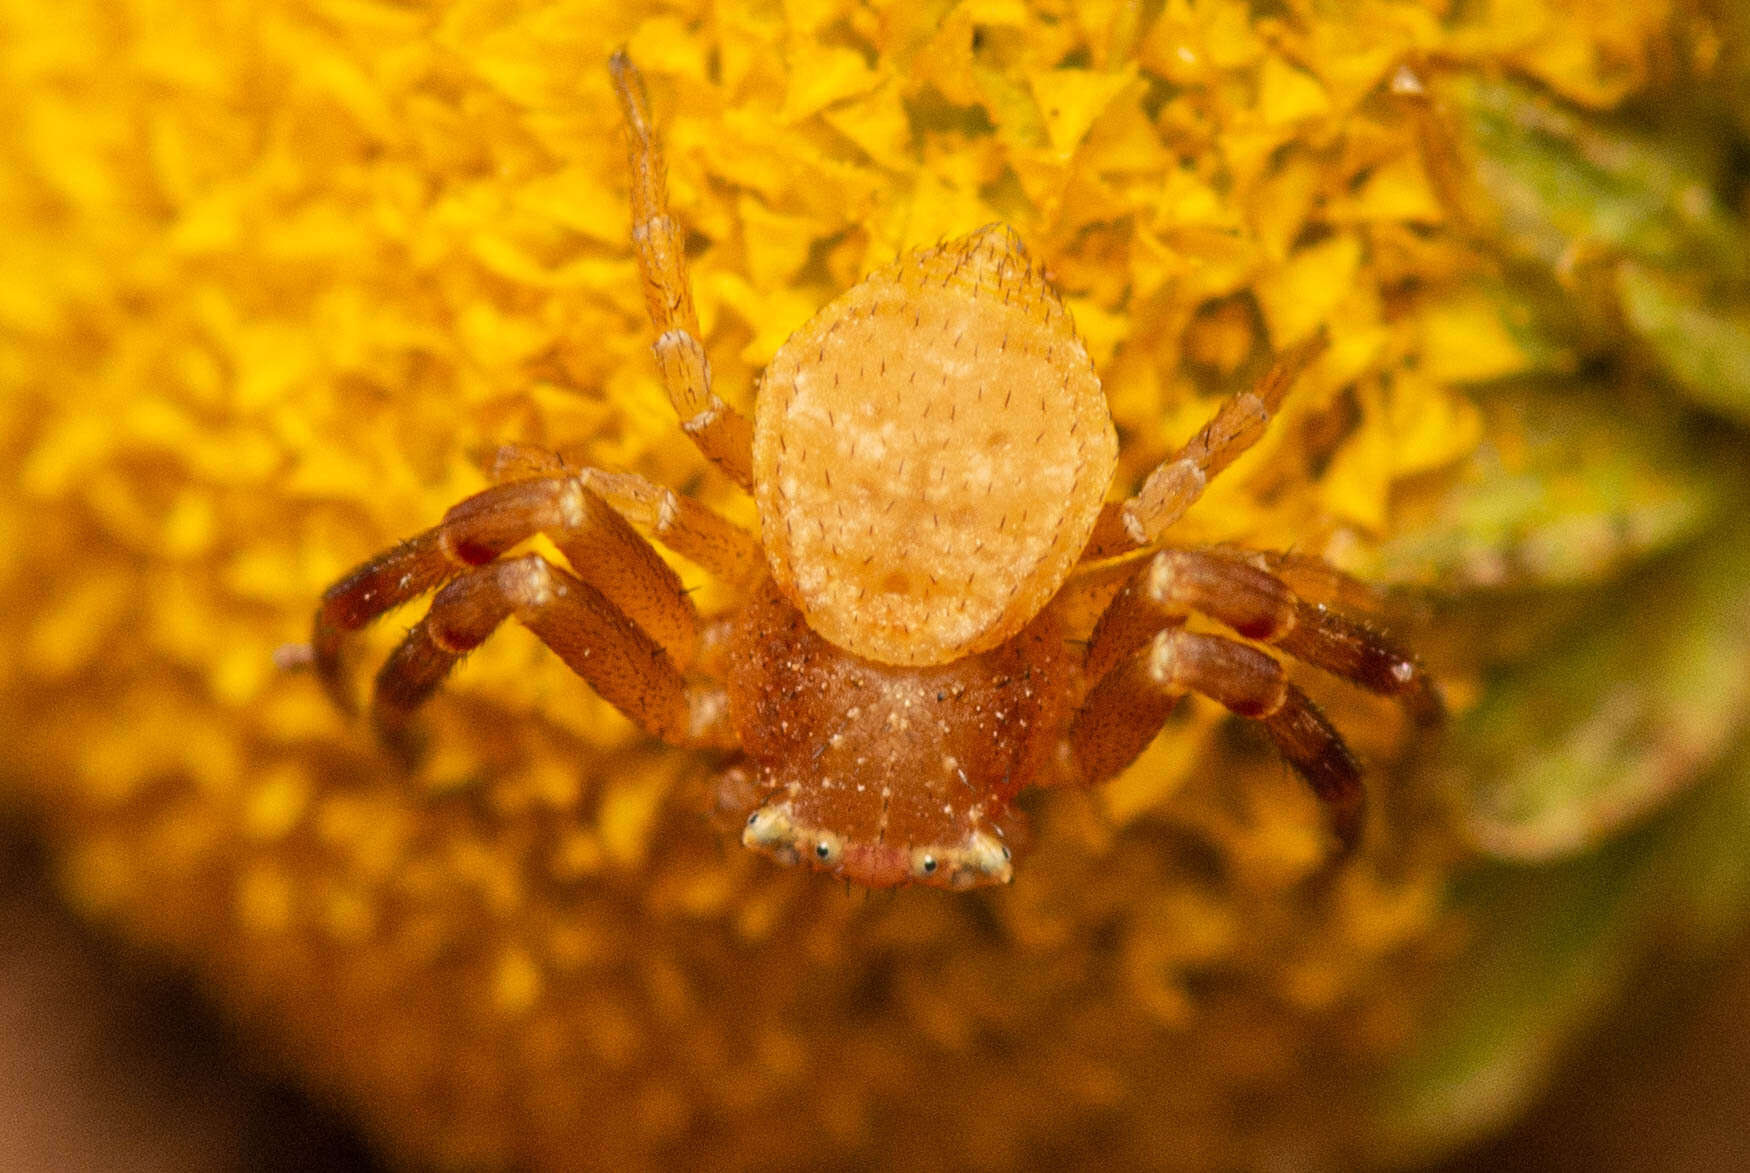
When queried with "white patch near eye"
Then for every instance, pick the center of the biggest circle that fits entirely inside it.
(988, 857)
(772, 830)
(980, 858)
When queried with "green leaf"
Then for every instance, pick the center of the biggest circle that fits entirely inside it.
(1632, 216)
(1552, 949)
(1704, 346)
(1566, 489)
(1567, 183)
(1708, 859)
(1568, 749)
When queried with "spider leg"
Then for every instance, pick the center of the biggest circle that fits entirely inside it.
(1260, 606)
(1125, 710)
(520, 462)
(659, 242)
(601, 545)
(692, 530)
(1177, 482)
(1317, 581)
(1443, 157)
(595, 638)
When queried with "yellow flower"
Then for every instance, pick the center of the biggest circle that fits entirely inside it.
(279, 271)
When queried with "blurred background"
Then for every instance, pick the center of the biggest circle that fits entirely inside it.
(113, 1062)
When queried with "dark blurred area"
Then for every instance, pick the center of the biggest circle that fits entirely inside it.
(109, 1062)
(1665, 1088)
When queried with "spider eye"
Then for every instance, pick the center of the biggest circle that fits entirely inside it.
(828, 848)
(929, 864)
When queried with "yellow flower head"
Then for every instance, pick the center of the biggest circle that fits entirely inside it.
(280, 271)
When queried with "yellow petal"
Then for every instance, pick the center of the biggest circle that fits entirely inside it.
(1430, 427)
(822, 76)
(877, 122)
(1071, 99)
(1286, 94)
(1299, 295)
(1465, 339)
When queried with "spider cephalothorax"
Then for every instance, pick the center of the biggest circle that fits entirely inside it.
(930, 457)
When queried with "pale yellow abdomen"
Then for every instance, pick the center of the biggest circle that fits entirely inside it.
(930, 454)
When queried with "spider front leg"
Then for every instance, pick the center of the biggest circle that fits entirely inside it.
(659, 243)
(1125, 711)
(601, 546)
(1174, 583)
(1140, 660)
(623, 664)
(728, 552)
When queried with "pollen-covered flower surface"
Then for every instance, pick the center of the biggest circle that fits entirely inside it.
(277, 275)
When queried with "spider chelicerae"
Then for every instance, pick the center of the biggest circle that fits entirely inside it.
(930, 457)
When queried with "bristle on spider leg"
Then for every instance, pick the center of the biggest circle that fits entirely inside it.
(1319, 754)
(1356, 652)
(461, 617)
(370, 589)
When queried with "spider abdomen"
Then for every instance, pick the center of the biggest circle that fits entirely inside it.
(930, 454)
(884, 773)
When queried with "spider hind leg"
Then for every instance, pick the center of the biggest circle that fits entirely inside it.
(1177, 482)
